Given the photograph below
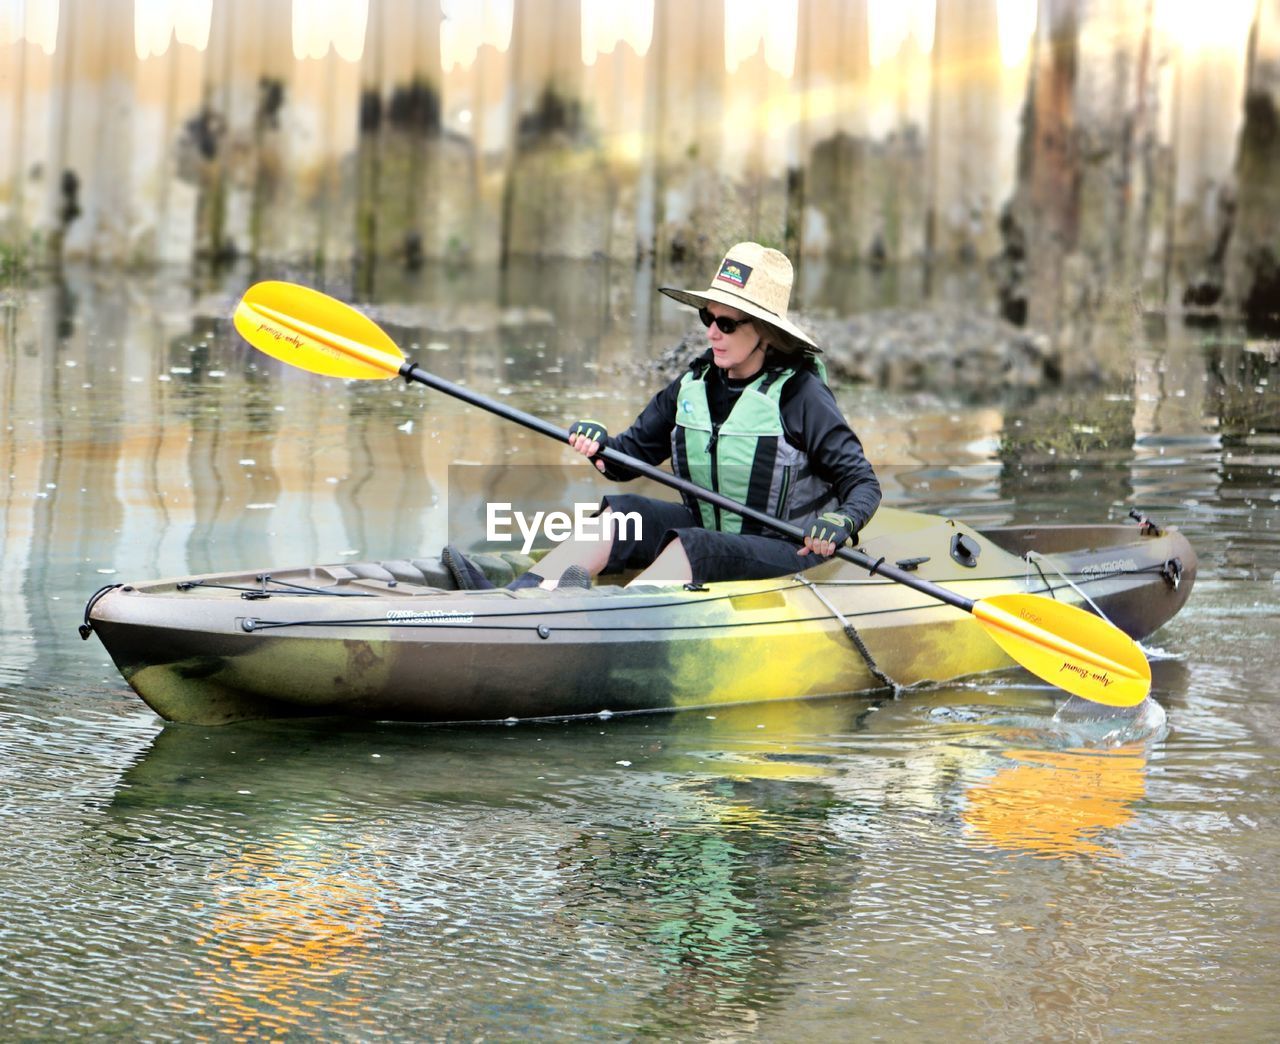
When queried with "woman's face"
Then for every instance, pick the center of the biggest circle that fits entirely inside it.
(740, 353)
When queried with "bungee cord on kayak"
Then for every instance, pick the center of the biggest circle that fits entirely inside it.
(852, 634)
(263, 590)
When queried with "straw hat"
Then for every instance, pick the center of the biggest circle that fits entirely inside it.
(756, 280)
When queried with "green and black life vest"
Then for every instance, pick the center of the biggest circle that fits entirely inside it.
(747, 457)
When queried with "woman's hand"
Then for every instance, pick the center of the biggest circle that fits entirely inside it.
(827, 533)
(585, 436)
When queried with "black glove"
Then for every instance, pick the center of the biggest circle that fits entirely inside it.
(830, 526)
(593, 430)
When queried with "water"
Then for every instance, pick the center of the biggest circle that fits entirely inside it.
(954, 864)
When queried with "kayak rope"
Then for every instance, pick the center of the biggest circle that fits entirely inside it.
(283, 587)
(607, 604)
(448, 617)
(269, 586)
(1170, 570)
(534, 619)
(852, 634)
(1035, 558)
(444, 619)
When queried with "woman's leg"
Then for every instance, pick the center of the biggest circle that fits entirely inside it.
(670, 567)
(632, 533)
(592, 555)
(707, 556)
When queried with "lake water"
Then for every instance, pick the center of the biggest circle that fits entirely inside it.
(954, 864)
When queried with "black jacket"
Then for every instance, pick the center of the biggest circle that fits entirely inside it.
(812, 421)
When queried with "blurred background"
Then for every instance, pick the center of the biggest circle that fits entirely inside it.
(1074, 150)
(1038, 241)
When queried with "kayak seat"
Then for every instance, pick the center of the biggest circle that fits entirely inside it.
(370, 571)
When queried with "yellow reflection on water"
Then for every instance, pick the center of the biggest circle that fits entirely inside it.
(293, 921)
(1056, 803)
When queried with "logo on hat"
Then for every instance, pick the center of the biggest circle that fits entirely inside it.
(735, 273)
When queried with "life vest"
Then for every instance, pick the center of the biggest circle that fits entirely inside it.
(747, 457)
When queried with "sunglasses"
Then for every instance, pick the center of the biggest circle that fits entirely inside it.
(723, 323)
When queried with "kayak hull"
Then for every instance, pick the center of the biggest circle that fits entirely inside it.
(392, 641)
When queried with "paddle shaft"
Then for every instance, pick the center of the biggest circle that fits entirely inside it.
(410, 372)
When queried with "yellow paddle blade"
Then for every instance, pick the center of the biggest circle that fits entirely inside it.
(1063, 644)
(333, 339)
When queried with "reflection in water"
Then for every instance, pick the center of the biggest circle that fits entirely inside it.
(713, 885)
(678, 875)
(291, 928)
(1054, 804)
(710, 891)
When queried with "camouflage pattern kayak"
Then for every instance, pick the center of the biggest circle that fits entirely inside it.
(396, 641)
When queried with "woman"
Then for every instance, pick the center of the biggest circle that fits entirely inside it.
(751, 419)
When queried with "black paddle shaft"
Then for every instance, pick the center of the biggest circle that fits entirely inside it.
(411, 372)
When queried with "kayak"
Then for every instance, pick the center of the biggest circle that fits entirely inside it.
(396, 640)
